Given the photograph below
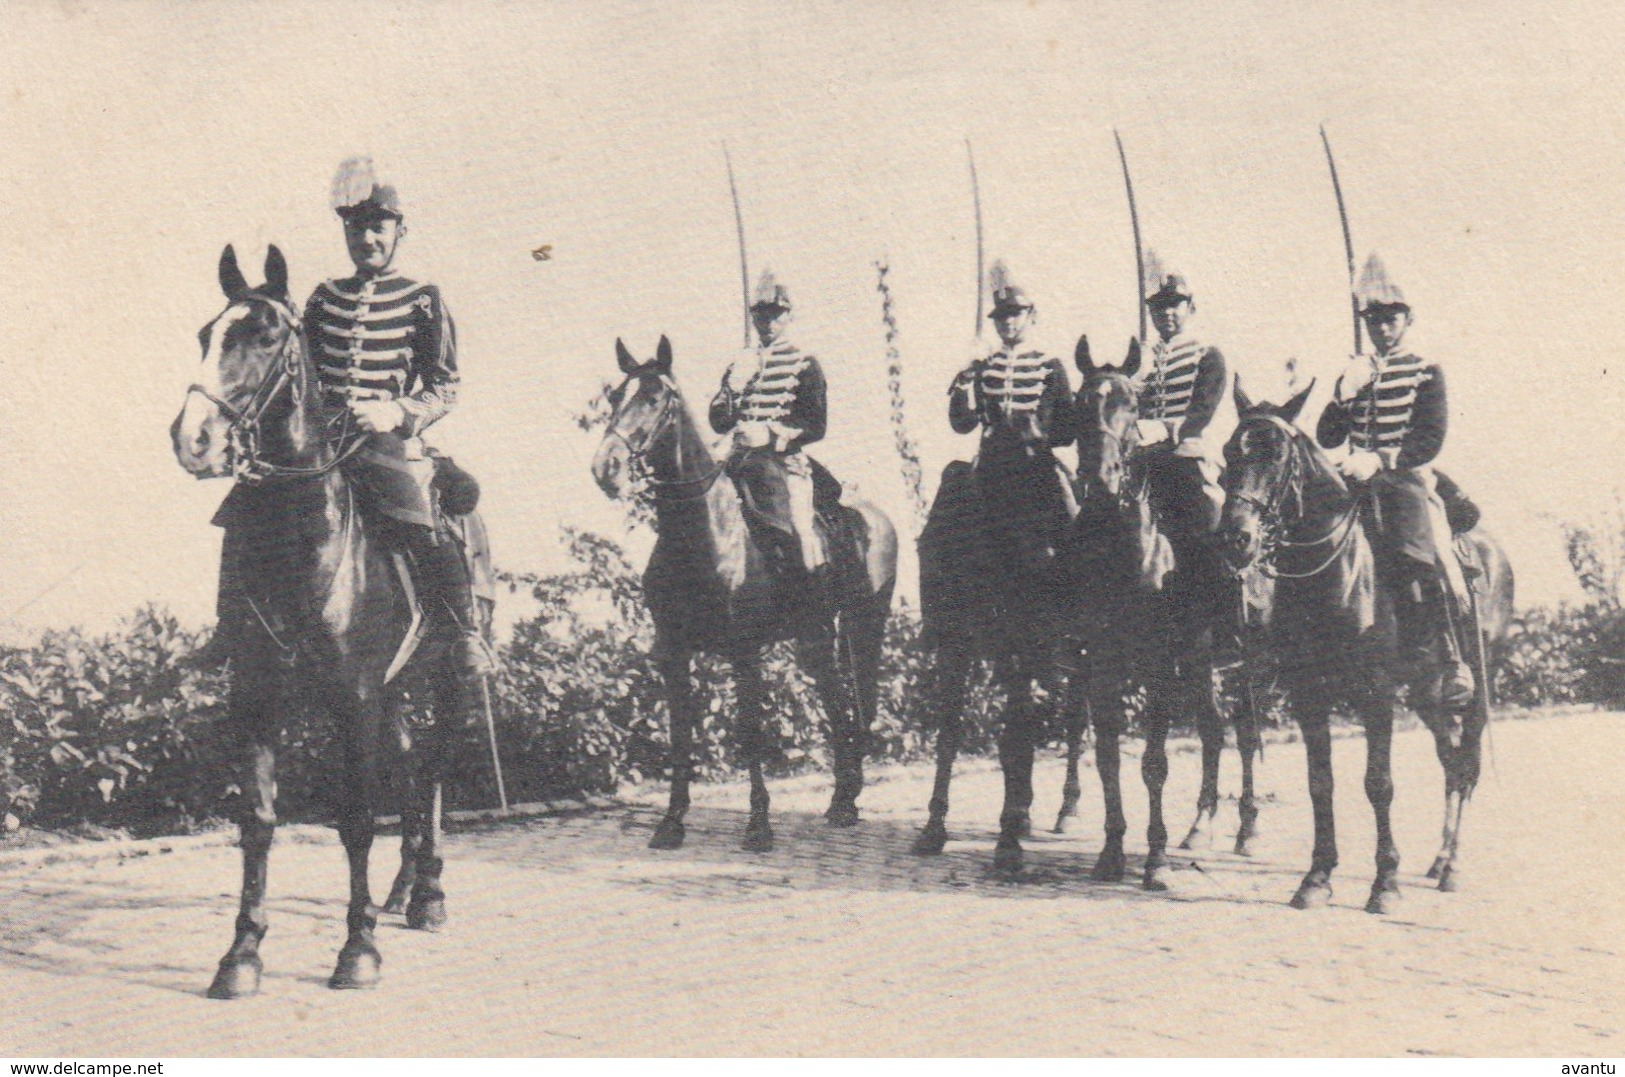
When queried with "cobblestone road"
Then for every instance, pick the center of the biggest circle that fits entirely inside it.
(570, 937)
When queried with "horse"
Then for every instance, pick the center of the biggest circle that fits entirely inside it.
(312, 610)
(709, 587)
(1288, 510)
(1139, 627)
(995, 586)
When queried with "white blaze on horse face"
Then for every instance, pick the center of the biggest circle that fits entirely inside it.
(201, 433)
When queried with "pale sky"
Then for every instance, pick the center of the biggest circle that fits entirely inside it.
(1482, 155)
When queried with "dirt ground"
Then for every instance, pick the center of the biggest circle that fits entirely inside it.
(569, 937)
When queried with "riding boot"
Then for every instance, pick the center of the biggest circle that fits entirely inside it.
(1427, 649)
(1456, 684)
(448, 600)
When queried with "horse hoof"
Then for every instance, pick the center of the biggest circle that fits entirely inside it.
(1384, 899)
(1063, 821)
(931, 840)
(1156, 878)
(758, 837)
(395, 905)
(237, 977)
(1312, 896)
(359, 968)
(1441, 864)
(842, 815)
(1007, 856)
(669, 834)
(1449, 879)
(1110, 866)
(1244, 846)
(426, 914)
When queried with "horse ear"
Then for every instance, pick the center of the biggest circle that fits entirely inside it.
(1290, 410)
(1081, 357)
(624, 358)
(1244, 403)
(276, 272)
(1131, 361)
(232, 281)
(663, 355)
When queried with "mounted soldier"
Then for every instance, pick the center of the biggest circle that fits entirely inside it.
(1185, 415)
(386, 354)
(1022, 392)
(1392, 410)
(773, 400)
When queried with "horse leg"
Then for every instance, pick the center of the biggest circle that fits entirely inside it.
(359, 962)
(1076, 702)
(412, 820)
(239, 973)
(1378, 713)
(1250, 746)
(751, 695)
(818, 656)
(949, 675)
(1314, 719)
(1106, 713)
(1210, 728)
(454, 705)
(1469, 760)
(1016, 761)
(680, 704)
(860, 643)
(1442, 725)
(1154, 770)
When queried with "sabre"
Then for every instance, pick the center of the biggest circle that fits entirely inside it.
(1134, 218)
(976, 199)
(491, 732)
(1348, 242)
(739, 228)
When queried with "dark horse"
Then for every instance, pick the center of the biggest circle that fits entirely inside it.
(1140, 625)
(312, 610)
(1334, 632)
(709, 588)
(994, 586)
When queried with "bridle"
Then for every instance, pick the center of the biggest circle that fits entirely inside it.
(243, 429)
(1273, 518)
(638, 454)
(1137, 477)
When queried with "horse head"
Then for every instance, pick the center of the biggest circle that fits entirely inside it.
(251, 350)
(1266, 460)
(643, 408)
(1107, 406)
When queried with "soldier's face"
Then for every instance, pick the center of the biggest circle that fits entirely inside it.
(1170, 318)
(1012, 325)
(770, 323)
(1386, 326)
(372, 242)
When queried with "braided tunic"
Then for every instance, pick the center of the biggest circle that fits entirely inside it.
(1008, 386)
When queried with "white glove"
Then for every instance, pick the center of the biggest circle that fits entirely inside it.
(740, 371)
(754, 435)
(1361, 466)
(378, 416)
(1152, 432)
(783, 435)
(1357, 374)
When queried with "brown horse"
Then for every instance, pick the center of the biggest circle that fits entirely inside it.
(311, 610)
(709, 588)
(1141, 627)
(1334, 631)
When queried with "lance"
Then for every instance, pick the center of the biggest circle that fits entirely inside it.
(1134, 218)
(739, 229)
(1348, 241)
(976, 199)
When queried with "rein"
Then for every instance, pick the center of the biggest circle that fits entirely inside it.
(663, 422)
(1275, 525)
(243, 431)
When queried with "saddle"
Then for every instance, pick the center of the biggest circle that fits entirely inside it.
(761, 479)
(1452, 514)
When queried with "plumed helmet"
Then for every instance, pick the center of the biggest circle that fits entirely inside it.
(1008, 297)
(1163, 284)
(1376, 291)
(770, 294)
(357, 194)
